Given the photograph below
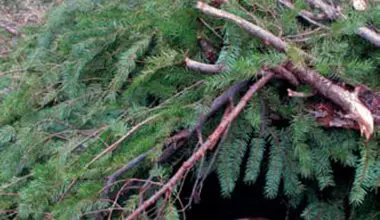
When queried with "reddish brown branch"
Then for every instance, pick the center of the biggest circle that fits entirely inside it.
(181, 137)
(208, 145)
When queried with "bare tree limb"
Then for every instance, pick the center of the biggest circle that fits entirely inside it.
(247, 26)
(203, 67)
(331, 12)
(369, 35)
(281, 72)
(347, 100)
(208, 145)
(307, 15)
(114, 176)
(11, 28)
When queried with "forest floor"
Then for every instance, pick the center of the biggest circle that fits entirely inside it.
(14, 14)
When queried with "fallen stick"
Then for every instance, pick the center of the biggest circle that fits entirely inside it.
(310, 17)
(208, 145)
(203, 67)
(11, 28)
(331, 12)
(247, 26)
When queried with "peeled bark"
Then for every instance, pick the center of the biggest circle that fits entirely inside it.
(203, 67)
(348, 101)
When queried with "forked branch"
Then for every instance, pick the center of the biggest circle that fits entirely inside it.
(208, 145)
(348, 101)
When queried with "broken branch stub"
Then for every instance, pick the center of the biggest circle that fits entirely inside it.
(348, 101)
(211, 141)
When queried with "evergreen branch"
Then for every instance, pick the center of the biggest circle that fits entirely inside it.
(210, 28)
(208, 145)
(203, 67)
(121, 140)
(16, 181)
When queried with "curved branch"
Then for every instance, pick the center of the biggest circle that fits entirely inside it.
(203, 67)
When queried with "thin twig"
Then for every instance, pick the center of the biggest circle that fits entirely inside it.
(121, 140)
(16, 181)
(210, 28)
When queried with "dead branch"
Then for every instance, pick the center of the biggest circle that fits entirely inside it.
(247, 26)
(307, 15)
(331, 12)
(345, 99)
(178, 140)
(292, 93)
(348, 101)
(369, 35)
(114, 176)
(283, 73)
(11, 28)
(208, 49)
(203, 67)
(208, 145)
